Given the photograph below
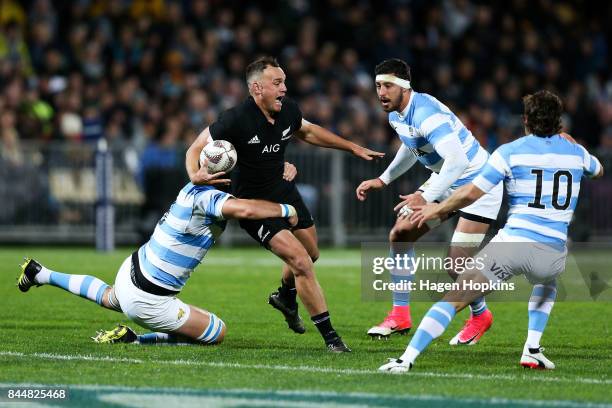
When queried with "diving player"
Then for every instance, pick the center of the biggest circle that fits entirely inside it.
(149, 281)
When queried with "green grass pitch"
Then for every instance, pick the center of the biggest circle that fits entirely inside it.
(44, 339)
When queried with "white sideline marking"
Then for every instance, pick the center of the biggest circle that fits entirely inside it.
(310, 369)
(228, 395)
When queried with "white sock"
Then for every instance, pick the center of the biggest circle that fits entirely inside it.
(43, 276)
(533, 339)
(410, 355)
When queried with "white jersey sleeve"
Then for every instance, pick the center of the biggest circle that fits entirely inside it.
(210, 202)
(591, 165)
(403, 161)
(496, 170)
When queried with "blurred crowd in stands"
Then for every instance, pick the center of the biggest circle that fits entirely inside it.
(149, 75)
(153, 73)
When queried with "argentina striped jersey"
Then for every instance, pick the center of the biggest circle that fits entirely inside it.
(542, 178)
(183, 236)
(426, 122)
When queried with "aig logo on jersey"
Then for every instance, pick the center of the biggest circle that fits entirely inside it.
(274, 148)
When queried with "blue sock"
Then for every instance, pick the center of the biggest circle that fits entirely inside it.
(432, 326)
(478, 306)
(541, 303)
(157, 338)
(402, 297)
(85, 286)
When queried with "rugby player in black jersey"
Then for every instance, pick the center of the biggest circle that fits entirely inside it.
(260, 129)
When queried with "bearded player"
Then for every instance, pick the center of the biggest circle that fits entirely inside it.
(432, 135)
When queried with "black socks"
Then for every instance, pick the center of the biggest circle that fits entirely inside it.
(323, 323)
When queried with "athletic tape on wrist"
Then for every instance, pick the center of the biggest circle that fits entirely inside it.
(284, 210)
(287, 210)
(404, 83)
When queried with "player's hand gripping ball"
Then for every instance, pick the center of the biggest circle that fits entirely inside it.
(220, 156)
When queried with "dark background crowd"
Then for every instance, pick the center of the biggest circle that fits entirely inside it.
(149, 75)
(154, 73)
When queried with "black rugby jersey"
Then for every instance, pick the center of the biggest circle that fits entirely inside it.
(260, 145)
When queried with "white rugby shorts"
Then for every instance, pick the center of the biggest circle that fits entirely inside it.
(158, 313)
(486, 206)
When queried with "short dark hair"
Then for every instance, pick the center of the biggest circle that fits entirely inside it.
(543, 111)
(394, 66)
(259, 65)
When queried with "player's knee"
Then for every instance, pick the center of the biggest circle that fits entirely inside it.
(448, 267)
(109, 300)
(402, 233)
(314, 255)
(451, 272)
(219, 339)
(301, 265)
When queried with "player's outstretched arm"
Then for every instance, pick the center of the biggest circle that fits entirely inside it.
(404, 159)
(236, 208)
(199, 175)
(316, 135)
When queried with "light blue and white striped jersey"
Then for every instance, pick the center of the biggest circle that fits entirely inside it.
(542, 178)
(183, 236)
(426, 122)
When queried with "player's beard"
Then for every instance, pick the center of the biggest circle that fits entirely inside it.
(393, 104)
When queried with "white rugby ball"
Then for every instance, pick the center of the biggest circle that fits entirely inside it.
(221, 156)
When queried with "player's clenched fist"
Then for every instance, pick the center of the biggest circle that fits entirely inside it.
(362, 190)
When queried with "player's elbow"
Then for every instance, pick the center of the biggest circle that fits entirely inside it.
(454, 167)
(461, 162)
(238, 209)
(246, 211)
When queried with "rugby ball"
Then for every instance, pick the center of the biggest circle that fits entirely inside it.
(221, 156)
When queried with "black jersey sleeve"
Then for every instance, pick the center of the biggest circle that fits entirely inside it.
(226, 126)
(296, 114)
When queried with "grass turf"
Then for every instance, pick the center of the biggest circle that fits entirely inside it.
(44, 338)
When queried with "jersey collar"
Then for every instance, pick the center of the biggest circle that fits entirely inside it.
(403, 114)
(259, 114)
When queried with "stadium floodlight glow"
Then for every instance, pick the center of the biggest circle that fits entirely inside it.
(404, 83)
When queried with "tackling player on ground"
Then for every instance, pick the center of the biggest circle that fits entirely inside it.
(260, 129)
(541, 173)
(149, 281)
(433, 135)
